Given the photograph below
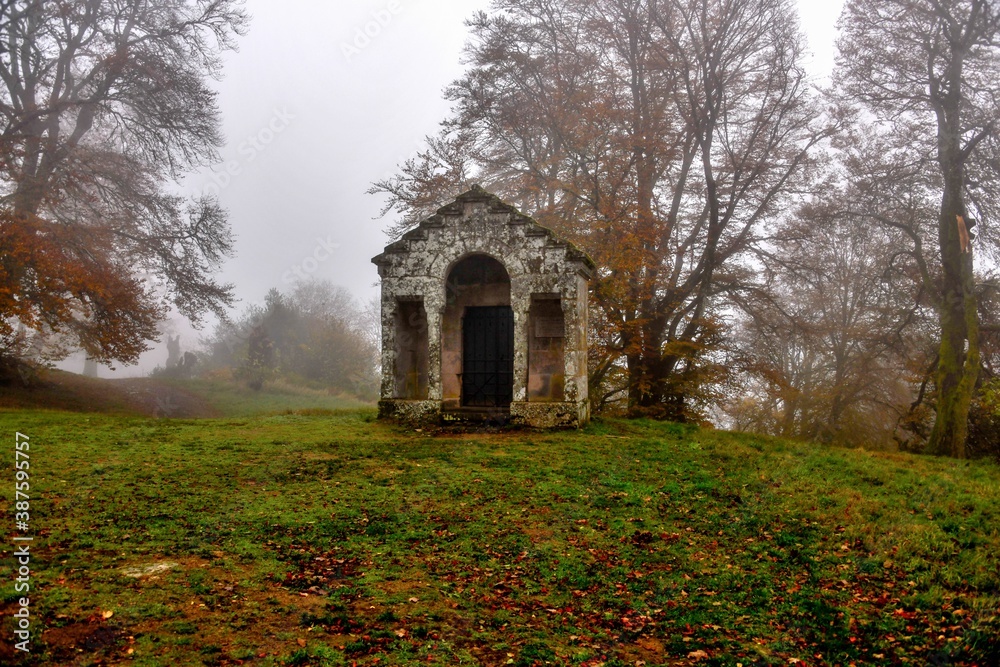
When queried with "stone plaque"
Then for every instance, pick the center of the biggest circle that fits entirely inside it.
(549, 327)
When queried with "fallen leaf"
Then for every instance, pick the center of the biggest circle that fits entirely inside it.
(301, 642)
(697, 655)
(108, 614)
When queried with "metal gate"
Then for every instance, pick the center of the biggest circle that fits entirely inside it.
(488, 357)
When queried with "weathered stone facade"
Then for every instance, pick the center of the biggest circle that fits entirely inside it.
(484, 315)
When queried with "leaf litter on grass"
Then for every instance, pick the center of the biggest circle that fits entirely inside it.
(379, 545)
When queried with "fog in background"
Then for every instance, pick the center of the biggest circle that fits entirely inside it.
(321, 100)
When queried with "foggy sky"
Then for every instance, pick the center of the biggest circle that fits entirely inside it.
(322, 99)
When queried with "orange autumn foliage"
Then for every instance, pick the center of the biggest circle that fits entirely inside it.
(63, 280)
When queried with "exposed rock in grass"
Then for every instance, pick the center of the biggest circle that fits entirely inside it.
(140, 571)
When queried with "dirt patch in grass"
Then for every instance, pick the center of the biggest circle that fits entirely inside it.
(537, 534)
(401, 586)
(206, 611)
(65, 642)
(88, 642)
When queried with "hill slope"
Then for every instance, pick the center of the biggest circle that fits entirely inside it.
(160, 397)
(59, 390)
(294, 540)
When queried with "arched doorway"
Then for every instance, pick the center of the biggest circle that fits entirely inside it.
(478, 336)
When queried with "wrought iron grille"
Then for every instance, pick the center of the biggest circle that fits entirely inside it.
(488, 357)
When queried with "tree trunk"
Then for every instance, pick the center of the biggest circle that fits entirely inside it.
(958, 366)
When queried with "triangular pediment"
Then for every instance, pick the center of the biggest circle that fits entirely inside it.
(497, 212)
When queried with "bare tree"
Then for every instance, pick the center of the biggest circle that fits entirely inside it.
(929, 71)
(829, 339)
(103, 103)
(657, 134)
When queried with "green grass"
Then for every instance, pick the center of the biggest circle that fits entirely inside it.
(232, 399)
(339, 540)
(169, 397)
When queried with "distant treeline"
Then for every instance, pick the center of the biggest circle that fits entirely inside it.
(315, 335)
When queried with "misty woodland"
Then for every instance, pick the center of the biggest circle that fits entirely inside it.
(769, 255)
(683, 352)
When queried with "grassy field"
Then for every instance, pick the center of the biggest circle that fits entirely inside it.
(164, 397)
(337, 540)
(232, 399)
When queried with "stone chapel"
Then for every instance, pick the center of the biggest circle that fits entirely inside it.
(484, 316)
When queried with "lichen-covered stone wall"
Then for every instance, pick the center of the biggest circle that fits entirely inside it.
(538, 267)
